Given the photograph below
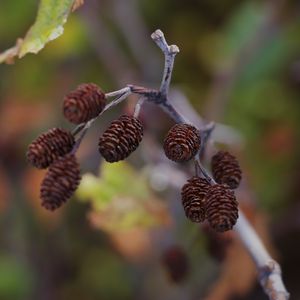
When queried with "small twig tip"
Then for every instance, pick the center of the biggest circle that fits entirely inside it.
(157, 34)
(174, 49)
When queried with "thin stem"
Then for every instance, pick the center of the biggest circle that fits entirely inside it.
(205, 134)
(118, 92)
(82, 135)
(138, 107)
(172, 112)
(77, 129)
(121, 97)
(203, 170)
(170, 53)
(197, 169)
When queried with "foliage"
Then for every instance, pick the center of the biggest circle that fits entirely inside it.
(51, 17)
(121, 198)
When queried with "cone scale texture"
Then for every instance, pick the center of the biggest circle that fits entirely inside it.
(121, 138)
(226, 169)
(182, 142)
(193, 198)
(49, 146)
(84, 103)
(60, 182)
(221, 208)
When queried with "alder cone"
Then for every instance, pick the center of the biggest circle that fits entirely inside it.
(226, 169)
(193, 198)
(60, 182)
(182, 142)
(221, 208)
(176, 263)
(49, 146)
(84, 103)
(121, 138)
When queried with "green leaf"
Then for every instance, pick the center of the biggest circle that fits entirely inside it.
(118, 179)
(51, 17)
(121, 199)
(16, 279)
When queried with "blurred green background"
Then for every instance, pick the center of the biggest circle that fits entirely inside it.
(239, 65)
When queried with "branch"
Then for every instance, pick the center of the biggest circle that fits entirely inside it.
(169, 52)
(158, 98)
(269, 271)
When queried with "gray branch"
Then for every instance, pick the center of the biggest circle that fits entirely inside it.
(269, 271)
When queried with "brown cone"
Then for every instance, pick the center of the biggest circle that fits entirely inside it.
(221, 208)
(176, 263)
(60, 182)
(121, 138)
(226, 169)
(84, 103)
(49, 146)
(193, 198)
(182, 142)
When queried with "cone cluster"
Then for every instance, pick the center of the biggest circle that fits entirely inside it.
(121, 138)
(215, 203)
(182, 142)
(226, 169)
(55, 149)
(84, 103)
(60, 182)
(44, 150)
(193, 198)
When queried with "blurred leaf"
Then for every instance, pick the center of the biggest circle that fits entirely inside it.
(15, 279)
(134, 244)
(118, 179)
(51, 17)
(121, 199)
